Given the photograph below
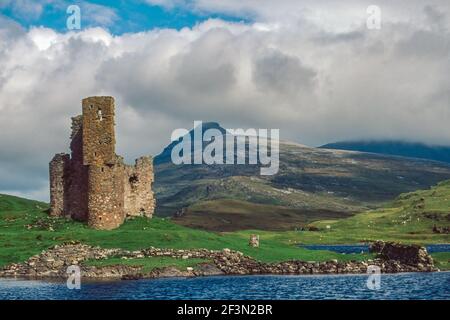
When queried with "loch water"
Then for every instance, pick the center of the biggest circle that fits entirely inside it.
(433, 286)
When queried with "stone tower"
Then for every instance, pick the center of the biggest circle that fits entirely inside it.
(93, 184)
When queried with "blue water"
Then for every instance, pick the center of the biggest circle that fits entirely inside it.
(393, 286)
(358, 248)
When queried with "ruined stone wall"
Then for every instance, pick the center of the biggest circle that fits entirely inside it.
(98, 131)
(76, 200)
(138, 194)
(105, 169)
(76, 138)
(93, 184)
(105, 196)
(58, 167)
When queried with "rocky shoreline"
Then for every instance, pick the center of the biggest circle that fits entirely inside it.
(53, 263)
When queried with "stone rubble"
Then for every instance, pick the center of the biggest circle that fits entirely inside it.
(254, 241)
(391, 258)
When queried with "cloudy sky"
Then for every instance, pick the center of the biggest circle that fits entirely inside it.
(311, 68)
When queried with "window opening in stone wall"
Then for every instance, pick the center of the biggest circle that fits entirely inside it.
(99, 115)
(134, 181)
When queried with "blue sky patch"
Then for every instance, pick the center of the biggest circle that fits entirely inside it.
(117, 16)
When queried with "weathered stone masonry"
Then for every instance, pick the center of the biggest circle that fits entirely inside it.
(93, 184)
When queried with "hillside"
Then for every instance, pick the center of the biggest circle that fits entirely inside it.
(26, 230)
(312, 184)
(411, 217)
(397, 148)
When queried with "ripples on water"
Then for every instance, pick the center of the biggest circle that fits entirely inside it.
(393, 286)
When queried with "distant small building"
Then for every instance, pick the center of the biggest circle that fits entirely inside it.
(93, 184)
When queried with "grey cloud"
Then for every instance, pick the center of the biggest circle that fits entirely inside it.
(283, 74)
(9, 29)
(207, 66)
(325, 38)
(425, 43)
(436, 17)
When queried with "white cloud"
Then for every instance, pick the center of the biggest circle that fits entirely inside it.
(330, 15)
(316, 86)
(97, 15)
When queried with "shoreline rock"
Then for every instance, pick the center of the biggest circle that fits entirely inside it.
(406, 254)
(53, 263)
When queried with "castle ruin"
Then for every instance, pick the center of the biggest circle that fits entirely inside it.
(93, 184)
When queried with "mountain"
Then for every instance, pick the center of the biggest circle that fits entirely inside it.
(165, 155)
(312, 184)
(398, 148)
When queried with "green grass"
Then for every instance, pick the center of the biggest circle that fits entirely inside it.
(19, 243)
(409, 219)
(148, 263)
(442, 260)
